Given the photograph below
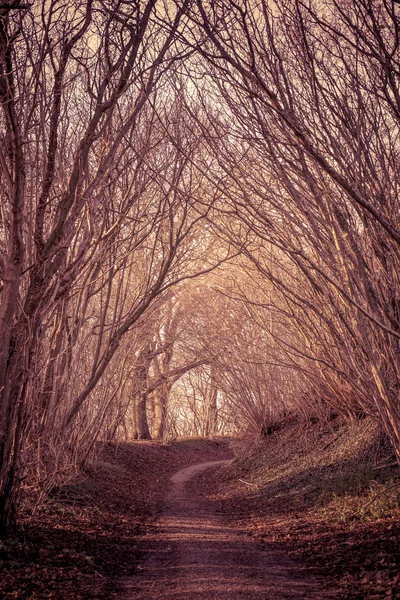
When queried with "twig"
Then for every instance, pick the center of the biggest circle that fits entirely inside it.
(385, 466)
(247, 483)
(273, 479)
(391, 487)
(329, 443)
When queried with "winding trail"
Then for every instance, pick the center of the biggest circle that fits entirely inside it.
(192, 555)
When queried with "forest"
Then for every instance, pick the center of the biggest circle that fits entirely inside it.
(199, 224)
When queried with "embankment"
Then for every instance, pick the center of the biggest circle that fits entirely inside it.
(328, 495)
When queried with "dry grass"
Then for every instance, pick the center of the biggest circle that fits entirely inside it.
(327, 494)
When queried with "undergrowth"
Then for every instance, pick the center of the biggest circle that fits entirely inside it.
(372, 501)
(327, 493)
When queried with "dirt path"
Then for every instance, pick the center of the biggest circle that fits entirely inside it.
(192, 555)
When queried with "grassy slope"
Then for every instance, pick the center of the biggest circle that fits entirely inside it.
(87, 535)
(311, 490)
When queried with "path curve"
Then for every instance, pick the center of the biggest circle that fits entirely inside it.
(192, 555)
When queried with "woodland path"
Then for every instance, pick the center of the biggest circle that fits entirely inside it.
(192, 555)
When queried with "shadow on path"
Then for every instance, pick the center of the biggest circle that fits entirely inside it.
(192, 555)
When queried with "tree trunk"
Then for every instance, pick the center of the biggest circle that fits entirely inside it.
(140, 395)
(210, 425)
(13, 432)
(160, 411)
(142, 426)
(212, 410)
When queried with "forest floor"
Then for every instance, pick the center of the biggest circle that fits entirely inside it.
(89, 535)
(326, 496)
(195, 554)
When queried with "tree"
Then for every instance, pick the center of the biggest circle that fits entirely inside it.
(308, 150)
(74, 81)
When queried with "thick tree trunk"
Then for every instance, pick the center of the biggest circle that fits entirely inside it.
(11, 348)
(14, 421)
(160, 411)
(142, 426)
(140, 396)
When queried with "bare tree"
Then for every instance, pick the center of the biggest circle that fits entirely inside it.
(74, 81)
(308, 151)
